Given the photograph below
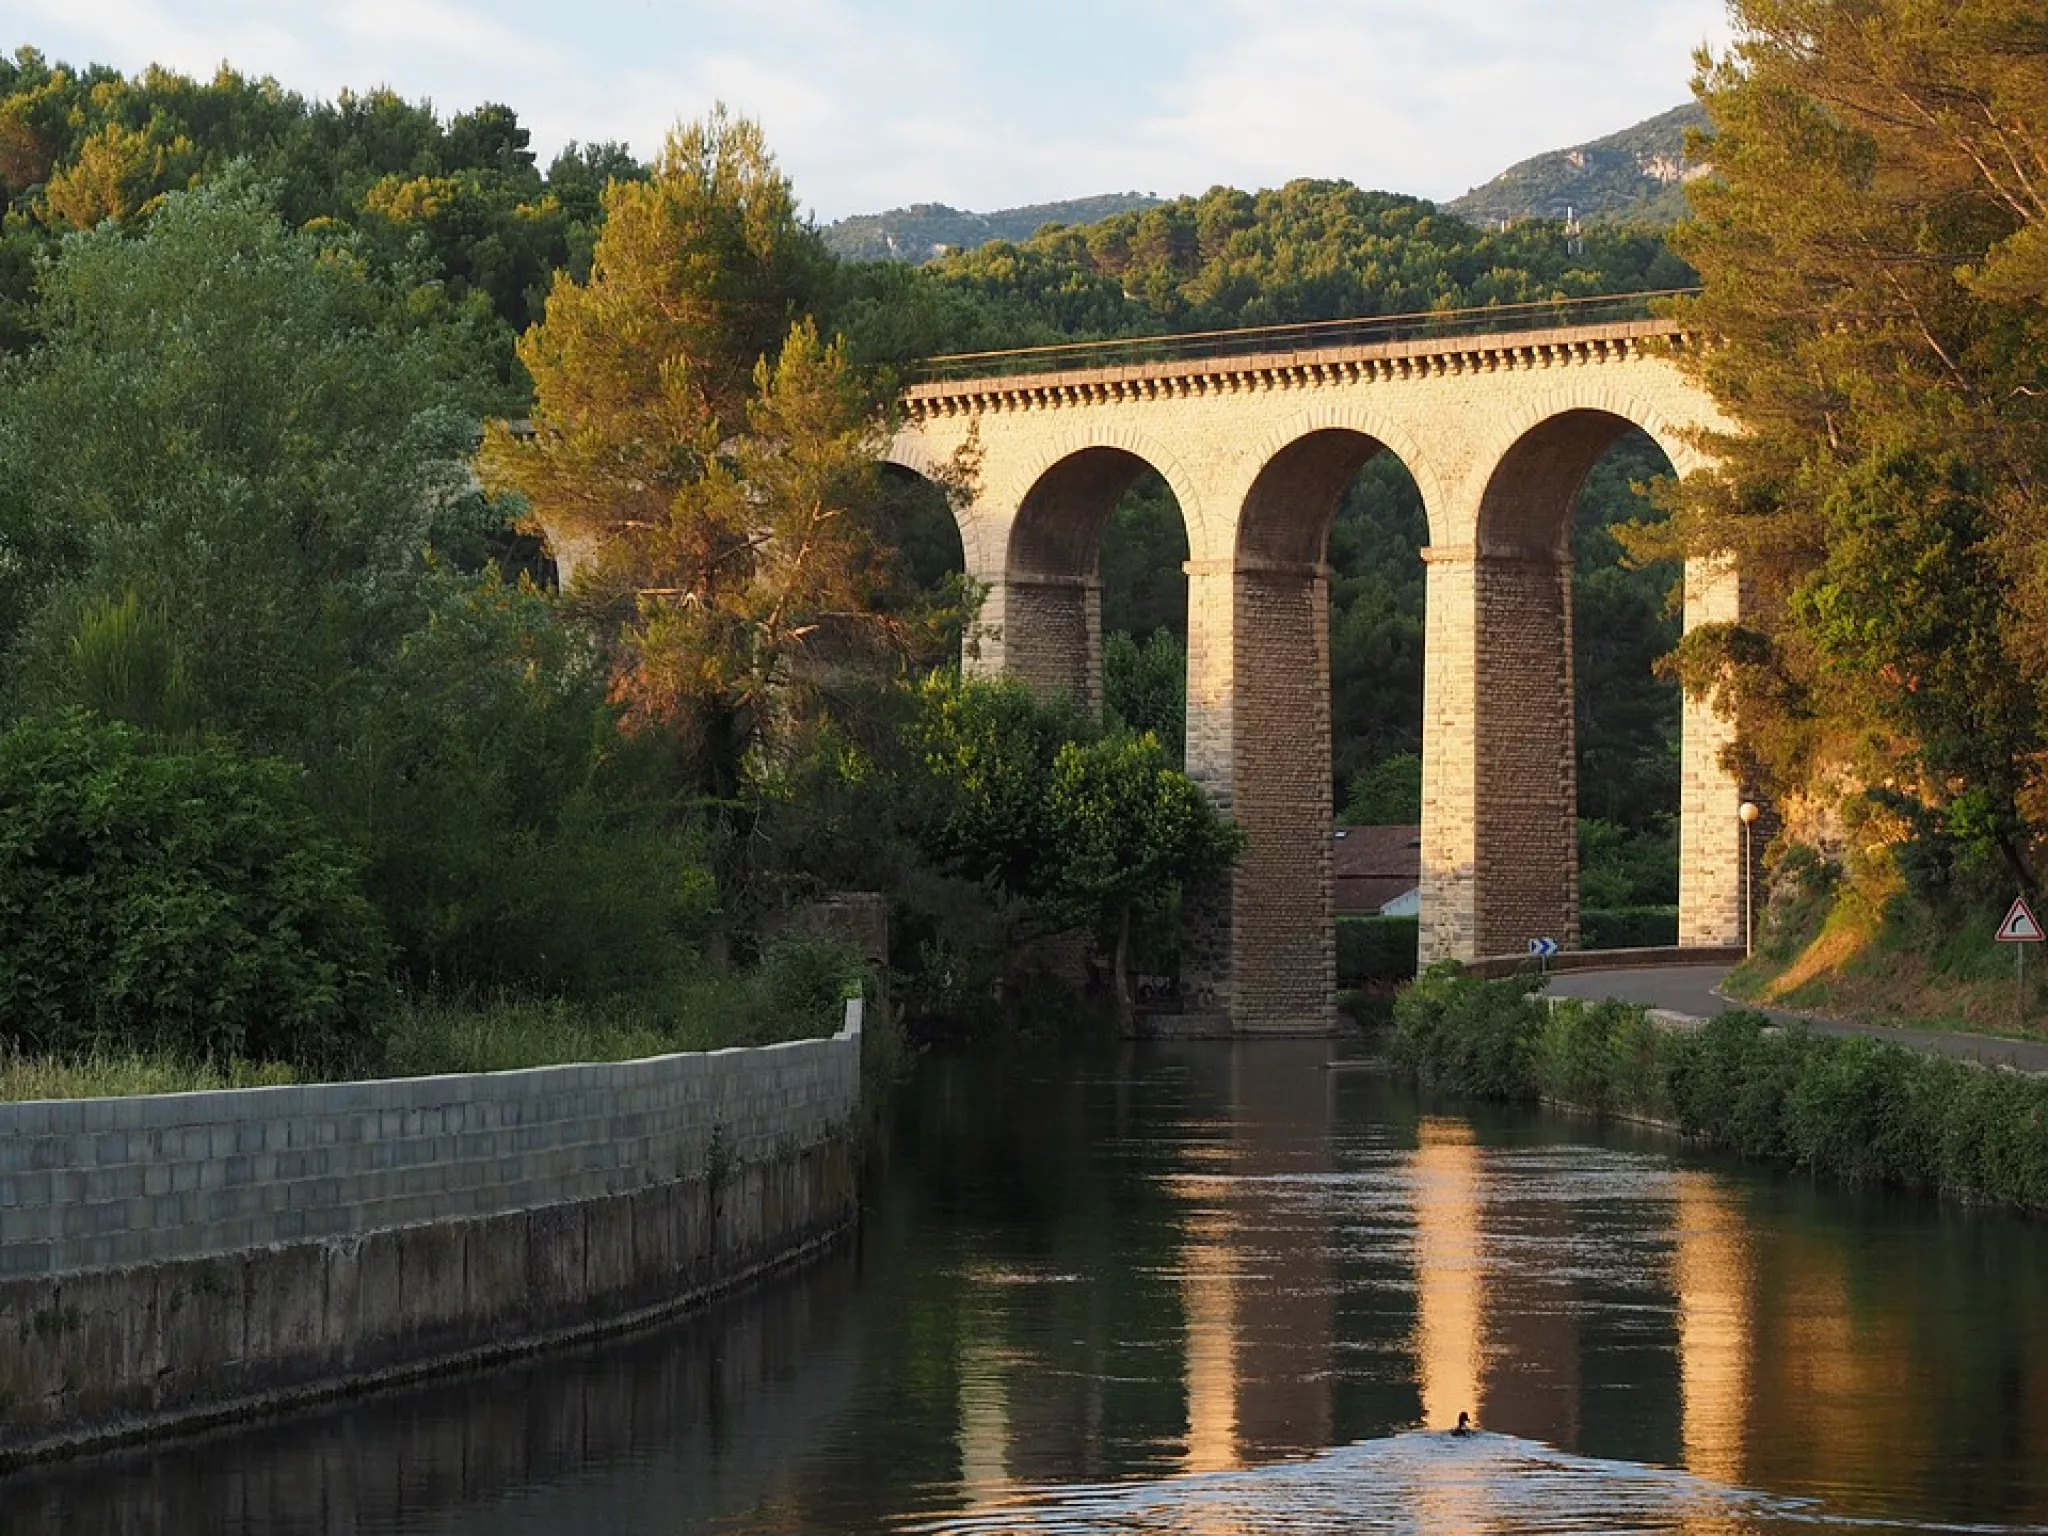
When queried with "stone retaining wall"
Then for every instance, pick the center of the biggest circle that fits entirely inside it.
(193, 1256)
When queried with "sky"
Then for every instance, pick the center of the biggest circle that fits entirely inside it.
(980, 104)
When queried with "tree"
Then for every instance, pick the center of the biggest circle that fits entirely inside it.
(1077, 829)
(717, 461)
(1145, 687)
(1128, 828)
(228, 422)
(235, 503)
(176, 900)
(987, 746)
(1875, 252)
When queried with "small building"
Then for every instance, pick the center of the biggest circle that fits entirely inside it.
(1376, 871)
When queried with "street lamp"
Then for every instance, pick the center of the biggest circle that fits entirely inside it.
(1749, 813)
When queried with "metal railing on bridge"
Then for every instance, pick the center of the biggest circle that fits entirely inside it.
(1312, 335)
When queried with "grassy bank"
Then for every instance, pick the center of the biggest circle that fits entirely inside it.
(1856, 1109)
(799, 992)
(1867, 948)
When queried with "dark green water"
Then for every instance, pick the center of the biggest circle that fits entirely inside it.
(1221, 1289)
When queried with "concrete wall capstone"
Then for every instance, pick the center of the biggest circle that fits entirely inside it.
(189, 1257)
(97, 1183)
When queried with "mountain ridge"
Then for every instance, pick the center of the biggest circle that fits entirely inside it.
(922, 231)
(1636, 175)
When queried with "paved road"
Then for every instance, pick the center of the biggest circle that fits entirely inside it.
(1690, 989)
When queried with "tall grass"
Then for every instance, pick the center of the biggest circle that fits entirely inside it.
(798, 991)
(105, 1075)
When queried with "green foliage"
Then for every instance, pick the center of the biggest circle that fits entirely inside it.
(924, 230)
(1853, 1108)
(1459, 1034)
(100, 1075)
(1621, 866)
(456, 210)
(1606, 1057)
(1067, 828)
(231, 473)
(1145, 688)
(1145, 546)
(1627, 927)
(1376, 949)
(797, 993)
(720, 473)
(176, 901)
(1127, 825)
(987, 746)
(125, 666)
(806, 982)
(1386, 794)
(1912, 588)
(1875, 273)
(230, 428)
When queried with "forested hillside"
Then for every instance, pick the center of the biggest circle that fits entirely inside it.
(1311, 250)
(455, 208)
(924, 230)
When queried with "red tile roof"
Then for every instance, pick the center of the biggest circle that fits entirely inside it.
(1371, 866)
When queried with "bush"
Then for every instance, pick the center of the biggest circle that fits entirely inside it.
(1857, 1109)
(1607, 1057)
(175, 902)
(1376, 949)
(1465, 1035)
(1627, 927)
(804, 985)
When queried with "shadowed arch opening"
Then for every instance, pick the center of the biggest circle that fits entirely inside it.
(928, 580)
(1576, 738)
(1052, 598)
(1325, 690)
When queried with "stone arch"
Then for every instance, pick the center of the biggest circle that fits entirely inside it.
(1037, 482)
(911, 452)
(1523, 733)
(1711, 911)
(1547, 447)
(1047, 602)
(1306, 457)
(1259, 705)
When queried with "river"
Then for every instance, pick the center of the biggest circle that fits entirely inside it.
(1217, 1289)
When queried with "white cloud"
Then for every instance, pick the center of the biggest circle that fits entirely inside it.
(875, 103)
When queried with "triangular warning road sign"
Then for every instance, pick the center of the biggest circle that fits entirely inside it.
(2020, 925)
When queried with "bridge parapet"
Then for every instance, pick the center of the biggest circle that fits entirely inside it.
(1323, 367)
(1440, 330)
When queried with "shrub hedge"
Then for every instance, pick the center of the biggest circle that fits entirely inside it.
(1857, 1109)
(175, 899)
(1627, 927)
(1373, 949)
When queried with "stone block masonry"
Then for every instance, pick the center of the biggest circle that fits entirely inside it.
(188, 1257)
(1499, 432)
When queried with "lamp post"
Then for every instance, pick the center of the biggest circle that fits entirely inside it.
(1748, 812)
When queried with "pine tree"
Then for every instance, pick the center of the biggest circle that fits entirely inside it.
(1874, 247)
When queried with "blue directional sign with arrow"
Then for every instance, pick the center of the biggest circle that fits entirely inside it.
(1543, 948)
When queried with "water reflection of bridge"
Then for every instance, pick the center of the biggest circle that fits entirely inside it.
(1591, 1302)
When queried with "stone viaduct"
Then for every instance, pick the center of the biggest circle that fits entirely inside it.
(1499, 431)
